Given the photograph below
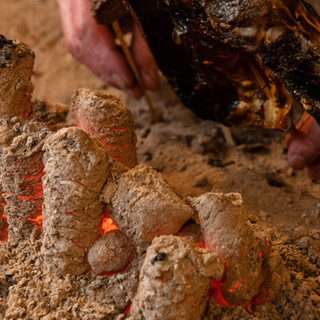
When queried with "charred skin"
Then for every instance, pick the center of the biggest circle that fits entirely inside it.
(179, 61)
(213, 79)
(235, 62)
(284, 34)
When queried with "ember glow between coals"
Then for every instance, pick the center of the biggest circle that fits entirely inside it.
(107, 223)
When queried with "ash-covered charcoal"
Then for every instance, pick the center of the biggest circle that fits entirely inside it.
(108, 11)
(276, 276)
(144, 206)
(76, 168)
(233, 61)
(223, 219)
(16, 67)
(103, 116)
(45, 111)
(21, 170)
(111, 253)
(174, 280)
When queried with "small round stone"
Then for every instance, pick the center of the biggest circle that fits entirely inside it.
(110, 253)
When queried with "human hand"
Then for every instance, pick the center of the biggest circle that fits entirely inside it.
(94, 45)
(304, 147)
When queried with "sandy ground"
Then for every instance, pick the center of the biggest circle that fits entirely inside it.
(284, 205)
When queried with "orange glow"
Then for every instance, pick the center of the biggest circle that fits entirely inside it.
(226, 263)
(237, 285)
(107, 223)
(113, 272)
(79, 245)
(215, 292)
(127, 309)
(161, 279)
(15, 165)
(37, 176)
(37, 220)
(121, 129)
(262, 297)
(201, 244)
(190, 299)
(4, 228)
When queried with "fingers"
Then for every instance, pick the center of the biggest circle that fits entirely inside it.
(94, 45)
(304, 147)
(313, 170)
(145, 62)
(300, 152)
(99, 53)
(303, 126)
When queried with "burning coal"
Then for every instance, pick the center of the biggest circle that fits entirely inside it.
(104, 117)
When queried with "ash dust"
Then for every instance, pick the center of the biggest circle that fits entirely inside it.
(283, 205)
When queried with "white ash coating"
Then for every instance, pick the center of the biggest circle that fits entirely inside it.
(223, 220)
(110, 253)
(16, 67)
(21, 169)
(174, 280)
(145, 206)
(106, 118)
(76, 169)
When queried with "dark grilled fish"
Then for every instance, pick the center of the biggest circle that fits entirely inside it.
(236, 62)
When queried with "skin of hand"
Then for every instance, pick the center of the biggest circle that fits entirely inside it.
(304, 147)
(94, 46)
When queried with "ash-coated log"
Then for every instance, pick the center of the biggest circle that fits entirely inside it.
(174, 280)
(16, 67)
(144, 206)
(21, 171)
(223, 220)
(103, 116)
(111, 253)
(76, 168)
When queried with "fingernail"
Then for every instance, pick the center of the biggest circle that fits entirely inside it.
(297, 161)
(119, 81)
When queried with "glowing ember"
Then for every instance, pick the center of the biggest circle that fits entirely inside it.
(108, 274)
(237, 286)
(37, 220)
(3, 228)
(215, 292)
(127, 309)
(79, 245)
(201, 244)
(262, 297)
(107, 224)
(104, 117)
